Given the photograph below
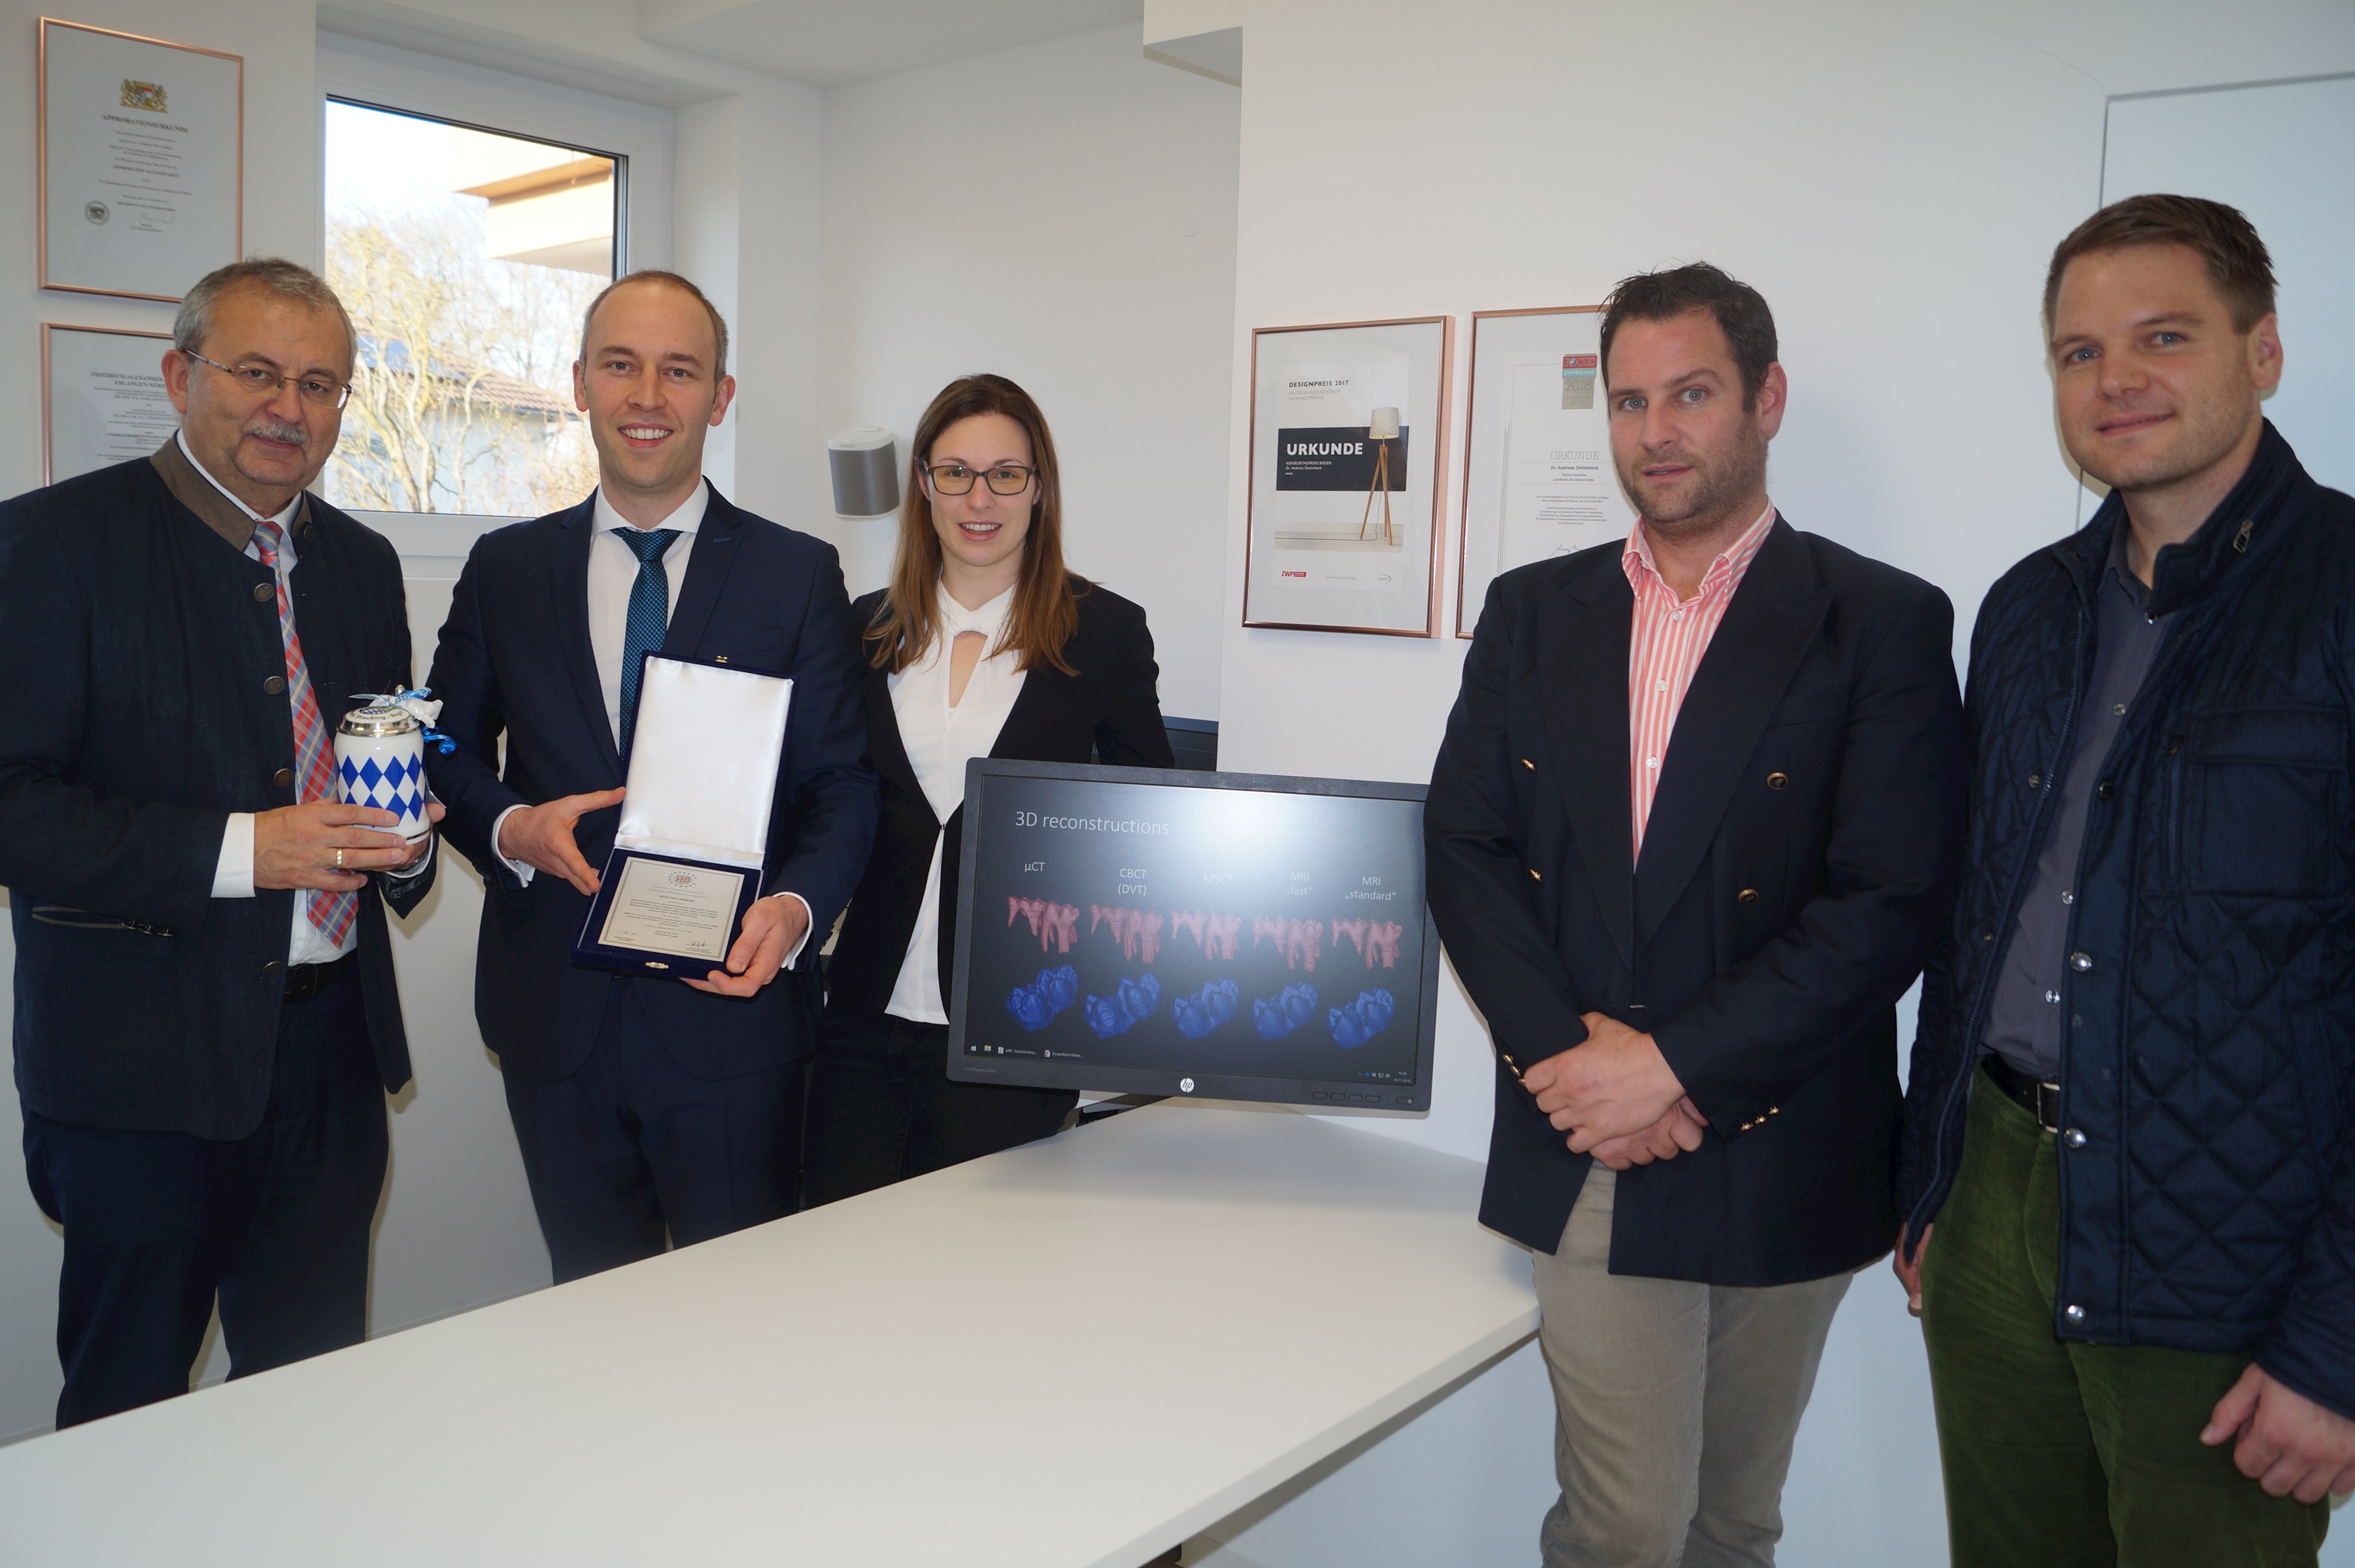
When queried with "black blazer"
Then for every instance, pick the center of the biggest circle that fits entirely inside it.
(1110, 711)
(1802, 849)
(515, 663)
(137, 641)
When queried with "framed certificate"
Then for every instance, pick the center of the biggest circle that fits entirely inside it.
(102, 398)
(1538, 480)
(141, 159)
(1348, 454)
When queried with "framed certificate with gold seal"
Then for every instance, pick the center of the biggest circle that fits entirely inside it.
(142, 160)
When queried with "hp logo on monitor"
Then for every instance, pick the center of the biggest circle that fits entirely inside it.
(1184, 1085)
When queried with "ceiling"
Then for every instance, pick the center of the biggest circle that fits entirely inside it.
(828, 42)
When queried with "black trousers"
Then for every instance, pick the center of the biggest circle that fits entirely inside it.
(632, 1150)
(882, 1107)
(275, 1223)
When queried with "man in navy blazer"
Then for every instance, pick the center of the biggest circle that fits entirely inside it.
(647, 1110)
(1691, 834)
(207, 1019)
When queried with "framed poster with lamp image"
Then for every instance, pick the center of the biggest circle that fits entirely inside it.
(1348, 432)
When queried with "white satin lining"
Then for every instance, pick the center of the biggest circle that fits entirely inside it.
(704, 761)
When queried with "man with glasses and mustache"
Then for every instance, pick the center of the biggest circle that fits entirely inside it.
(1691, 833)
(207, 1020)
(649, 1111)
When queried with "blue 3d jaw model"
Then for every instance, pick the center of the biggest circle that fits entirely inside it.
(1130, 1003)
(1352, 1026)
(1279, 1015)
(1034, 1006)
(1206, 1009)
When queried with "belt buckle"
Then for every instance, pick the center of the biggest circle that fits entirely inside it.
(2048, 1106)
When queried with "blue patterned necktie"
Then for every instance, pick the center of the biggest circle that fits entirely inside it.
(649, 614)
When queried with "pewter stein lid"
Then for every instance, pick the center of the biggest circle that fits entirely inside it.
(379, 719)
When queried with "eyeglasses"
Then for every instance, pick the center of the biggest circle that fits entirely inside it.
(265, 382)
(956, 478)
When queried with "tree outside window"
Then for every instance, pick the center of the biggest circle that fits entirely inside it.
(465, 258)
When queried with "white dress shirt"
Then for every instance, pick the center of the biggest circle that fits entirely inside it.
(612, 573)
(233, 870)
(941, 737)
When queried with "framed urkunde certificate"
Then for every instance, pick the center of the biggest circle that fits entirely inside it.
(102, 398)
(1538, 480)
(1348, 454)
(143, 162)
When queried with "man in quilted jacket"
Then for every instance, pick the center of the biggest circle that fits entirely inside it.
(2128, 1181)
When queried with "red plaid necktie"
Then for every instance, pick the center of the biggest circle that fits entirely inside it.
(314, 765)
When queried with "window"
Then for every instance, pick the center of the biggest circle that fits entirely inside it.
(465, 258)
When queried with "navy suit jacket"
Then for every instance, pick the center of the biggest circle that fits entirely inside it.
(515, 663)
(1802, 850)
(136, 642)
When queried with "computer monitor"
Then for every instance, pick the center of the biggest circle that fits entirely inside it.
(1233, 936)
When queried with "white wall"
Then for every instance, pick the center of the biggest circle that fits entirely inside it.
(1108, 294)
(1893, 179)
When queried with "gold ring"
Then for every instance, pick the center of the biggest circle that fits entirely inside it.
(339, 859)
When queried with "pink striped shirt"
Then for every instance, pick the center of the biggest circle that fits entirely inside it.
(1665, 645)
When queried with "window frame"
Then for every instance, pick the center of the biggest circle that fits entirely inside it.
(377, 76)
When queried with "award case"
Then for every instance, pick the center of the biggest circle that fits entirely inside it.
(704, 760)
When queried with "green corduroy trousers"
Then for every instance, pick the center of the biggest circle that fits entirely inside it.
(2061, 1455)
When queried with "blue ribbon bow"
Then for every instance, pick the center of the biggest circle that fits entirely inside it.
(410, 701)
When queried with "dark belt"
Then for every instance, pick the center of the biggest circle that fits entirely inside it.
(2037, 1098)
(305, 981)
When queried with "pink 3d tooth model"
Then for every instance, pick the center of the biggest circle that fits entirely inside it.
(1137, 931)
(1058, 923)
(1377, 940)
(1302, 941)
(1216, 932)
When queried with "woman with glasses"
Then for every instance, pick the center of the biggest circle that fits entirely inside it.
(982, 645)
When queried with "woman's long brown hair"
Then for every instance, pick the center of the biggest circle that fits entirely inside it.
(1046, 598)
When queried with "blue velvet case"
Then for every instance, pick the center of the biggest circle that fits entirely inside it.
(704, 759)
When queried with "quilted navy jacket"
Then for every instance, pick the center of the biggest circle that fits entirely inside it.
(2211, 1041)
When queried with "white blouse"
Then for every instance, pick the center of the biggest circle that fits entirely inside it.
(941, 738)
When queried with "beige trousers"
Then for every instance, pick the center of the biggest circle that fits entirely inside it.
(1675, 1403)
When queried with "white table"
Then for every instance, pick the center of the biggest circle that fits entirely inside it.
(1072, 1355)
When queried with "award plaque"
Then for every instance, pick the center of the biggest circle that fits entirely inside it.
(687, 858)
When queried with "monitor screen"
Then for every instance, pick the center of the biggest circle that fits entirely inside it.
(1229, 935)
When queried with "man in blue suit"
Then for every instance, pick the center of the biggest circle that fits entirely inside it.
(207, 1020)
(647, 1110)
